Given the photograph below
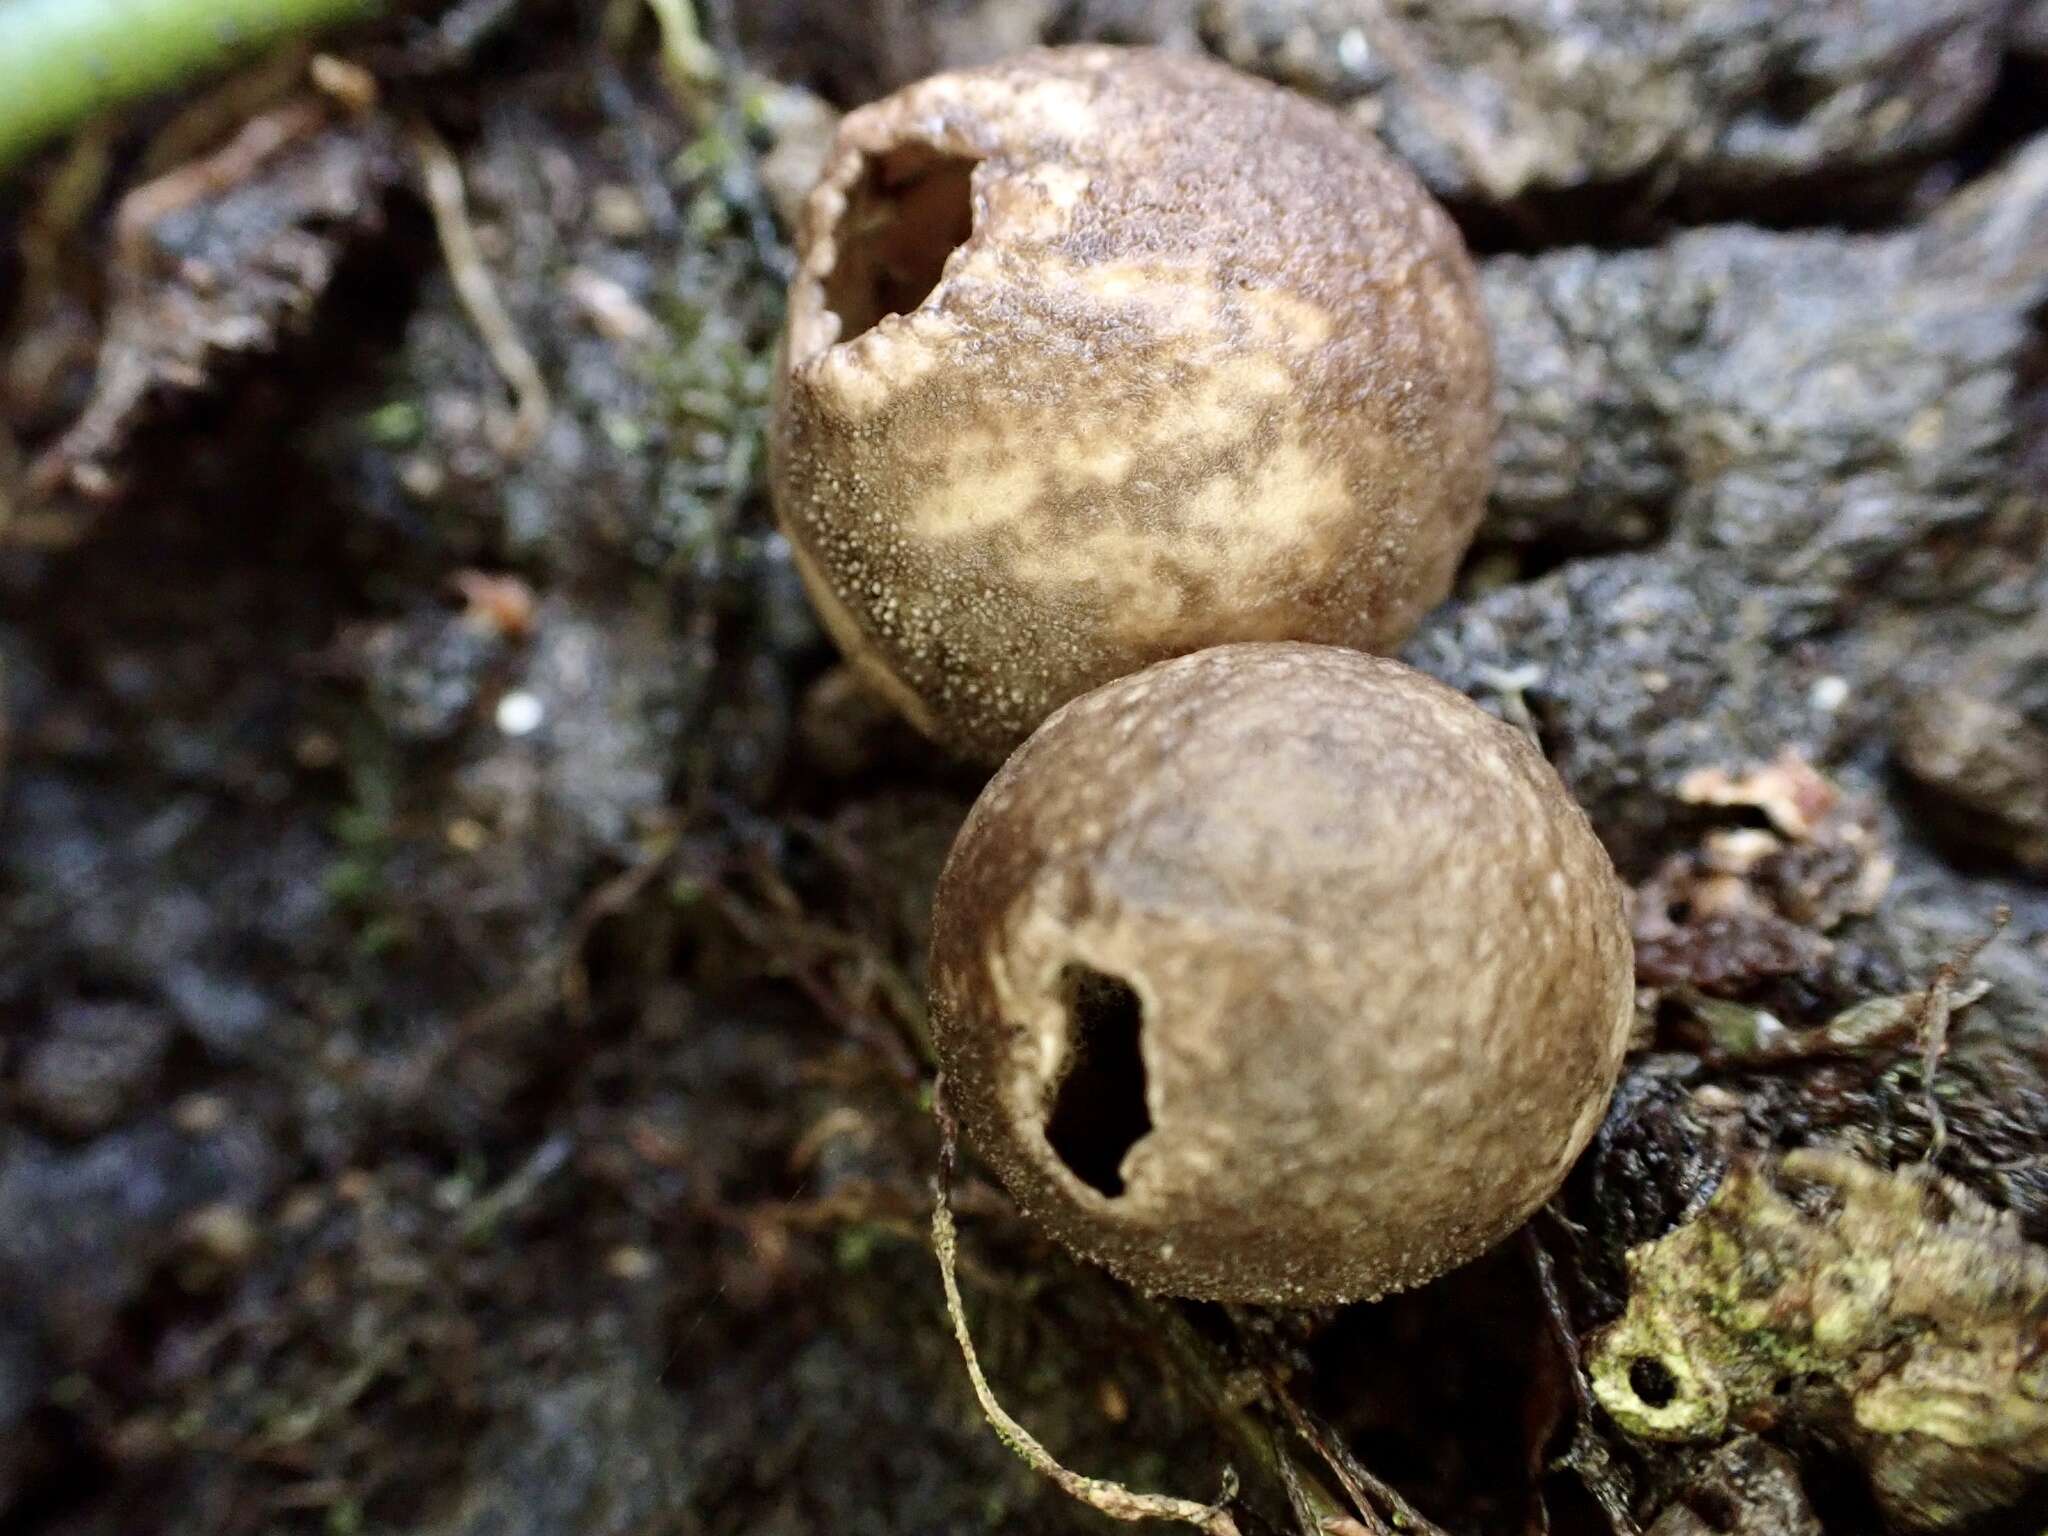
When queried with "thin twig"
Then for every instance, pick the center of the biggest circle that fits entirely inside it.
(557, 976)
(71, 189)
(1366, 1489)
(691, 66)
(1587, 1455)
(608, 900)
(683, 48)
(1337, 1457)
(1219, 1380)
(1935, 1016)
(791, 950)
(1314, 1510)
(259, 141)
(1109, 1498)
(213, 116)
(441, 178)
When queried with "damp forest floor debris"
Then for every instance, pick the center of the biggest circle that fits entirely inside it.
(462, 1055)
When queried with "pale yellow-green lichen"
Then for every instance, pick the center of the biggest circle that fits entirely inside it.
(1893, 1313)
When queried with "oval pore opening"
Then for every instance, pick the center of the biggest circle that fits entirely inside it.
(912, 208)
(1098, 1110)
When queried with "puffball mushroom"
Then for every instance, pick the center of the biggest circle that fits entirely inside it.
(1279, 973)
(1099, 356)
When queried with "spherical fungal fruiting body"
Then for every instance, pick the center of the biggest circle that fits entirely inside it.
(1279, 973)
(1101, 356)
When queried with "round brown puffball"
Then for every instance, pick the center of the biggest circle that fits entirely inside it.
(1100, 356)
(1279, 973)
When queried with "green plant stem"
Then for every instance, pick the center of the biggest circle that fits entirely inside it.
(61, 61)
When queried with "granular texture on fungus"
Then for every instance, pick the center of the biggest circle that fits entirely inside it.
(1099, 356)
(1279, 973)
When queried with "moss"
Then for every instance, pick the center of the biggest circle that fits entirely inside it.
(1892, 1313)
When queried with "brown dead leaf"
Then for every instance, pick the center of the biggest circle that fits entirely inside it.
(1789, 790)
(1749, 904)
(220, 258)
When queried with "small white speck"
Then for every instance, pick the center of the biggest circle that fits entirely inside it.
(520, 714)
(1354, 51)
(1829, 693)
